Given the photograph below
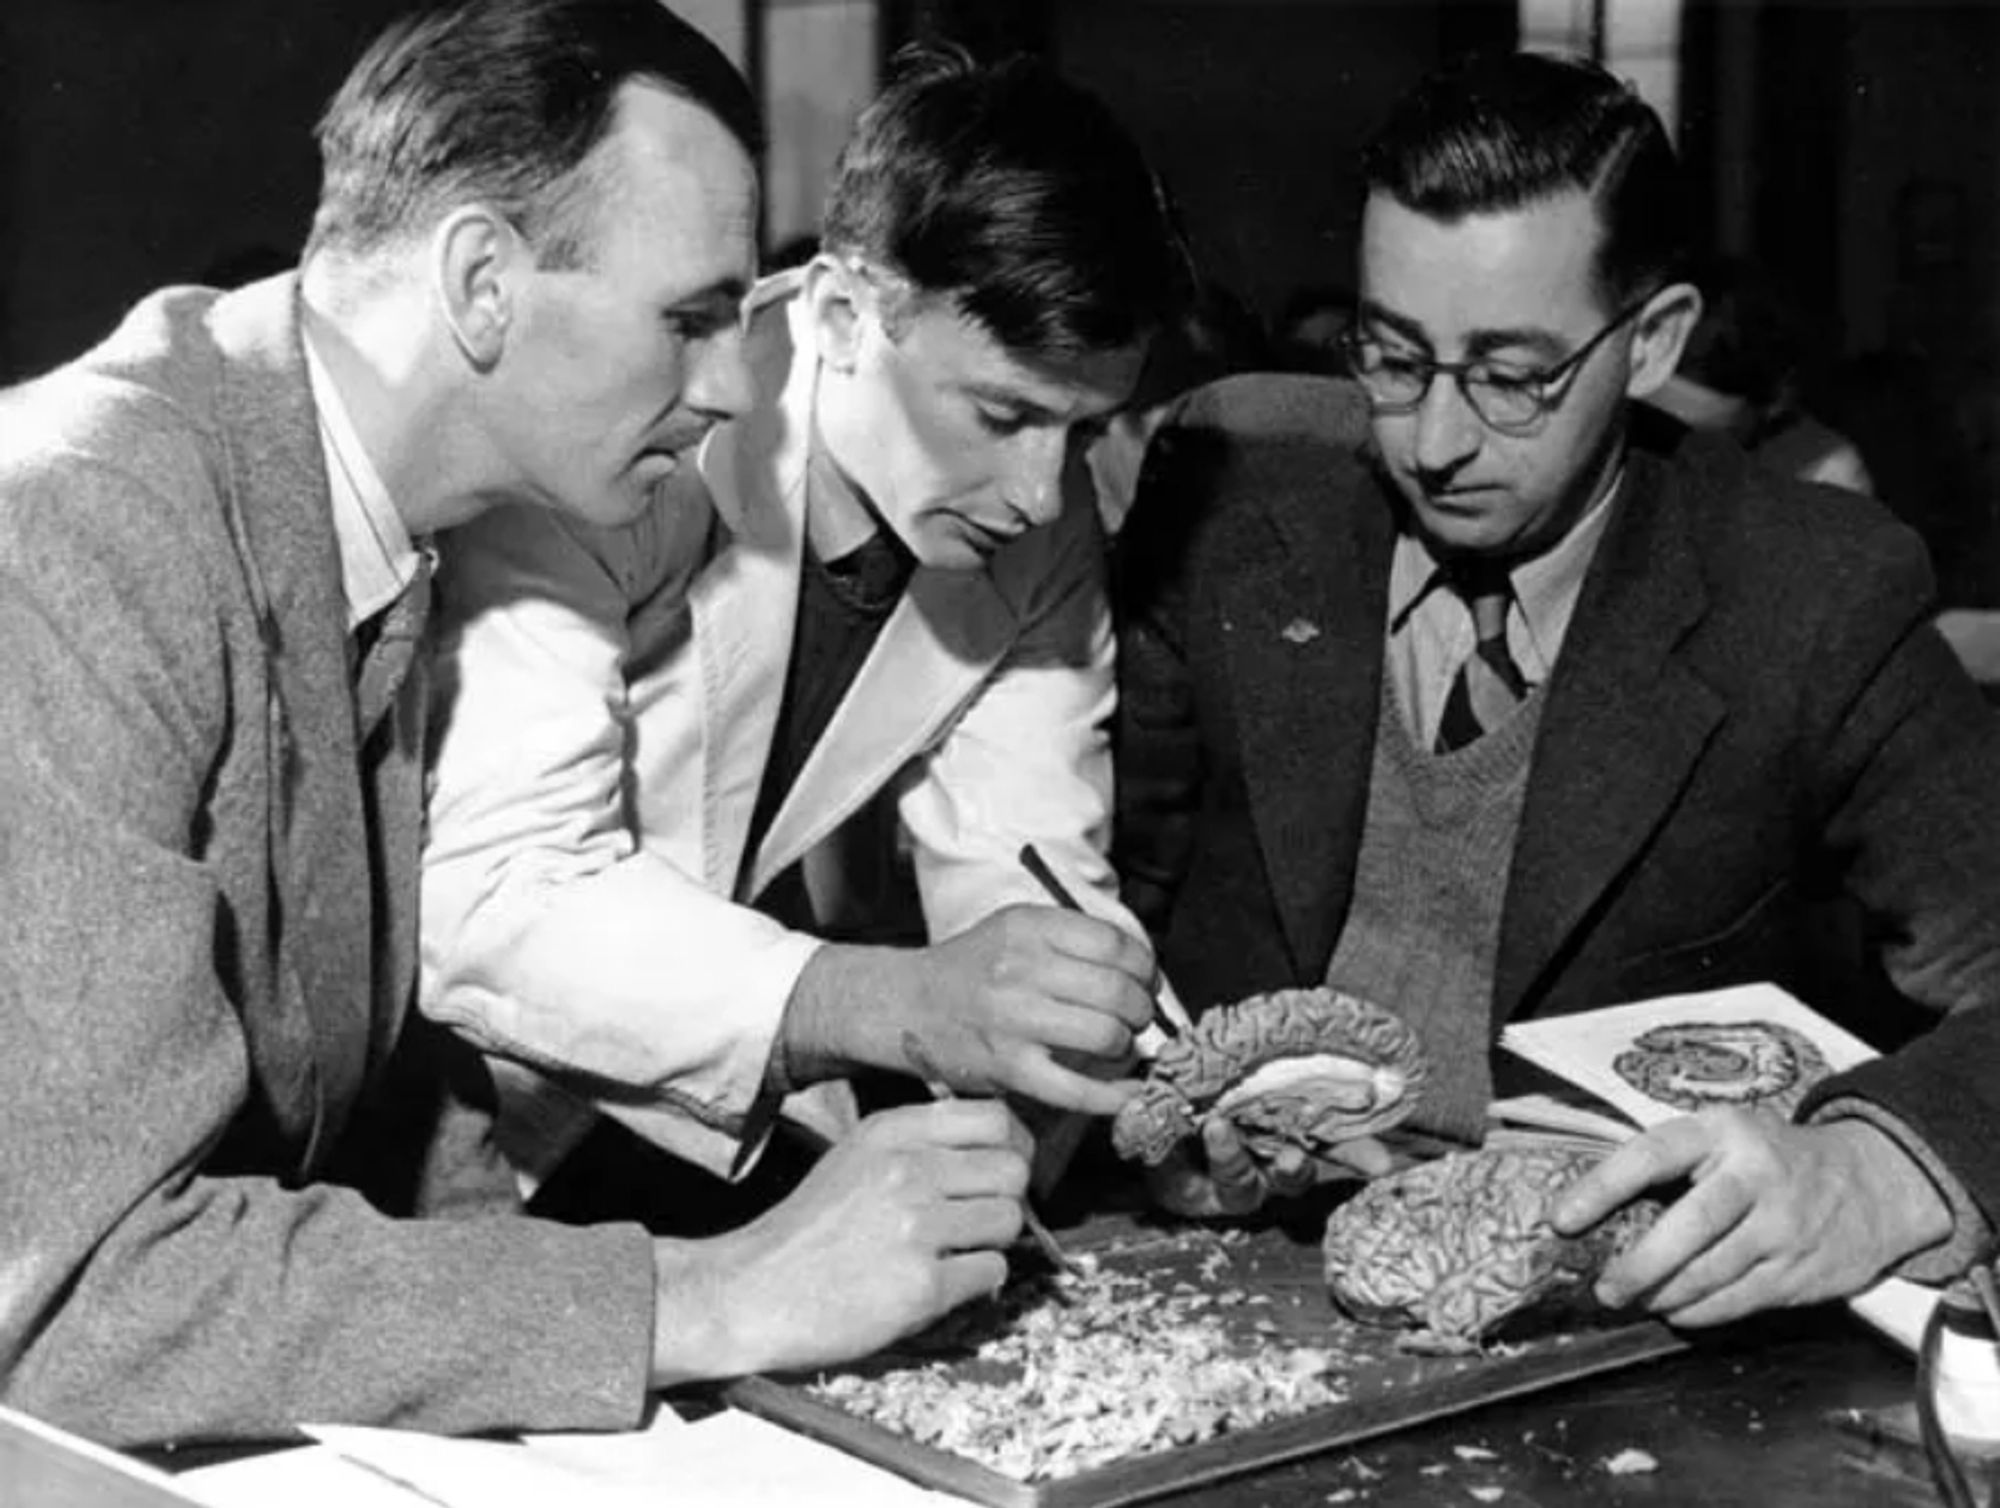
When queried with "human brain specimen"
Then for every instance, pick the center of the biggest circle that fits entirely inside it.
(1450, 1249)
(1300, 1068)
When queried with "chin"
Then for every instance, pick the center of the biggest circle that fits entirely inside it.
(955, 556)
(949, 549)
(1459, 533)
(633, 495)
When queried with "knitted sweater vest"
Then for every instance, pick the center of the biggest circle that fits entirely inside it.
(1423, 929)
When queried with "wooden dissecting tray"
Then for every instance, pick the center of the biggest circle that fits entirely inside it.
(1386, 1389)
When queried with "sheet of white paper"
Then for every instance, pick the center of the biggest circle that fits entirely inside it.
(739, 1459)
(477, 1473)
(1897, 1308)
(644, 1455)
(1544, 1112)
(731, 1459)
(110, 1461)
(310, 1476)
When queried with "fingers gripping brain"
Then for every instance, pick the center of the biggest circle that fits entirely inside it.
(1454, 1249)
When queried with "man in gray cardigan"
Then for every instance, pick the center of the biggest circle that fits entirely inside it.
(1452, 690)
(239, 1187)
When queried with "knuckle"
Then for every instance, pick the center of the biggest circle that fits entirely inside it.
(1012, 1175)
(1135, 1005)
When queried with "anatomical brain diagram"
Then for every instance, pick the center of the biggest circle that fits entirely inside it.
(1693, 1065)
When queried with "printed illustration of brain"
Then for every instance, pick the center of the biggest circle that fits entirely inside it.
(1692, 1065)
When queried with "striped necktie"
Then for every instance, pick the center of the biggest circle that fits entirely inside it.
(386, 644)
(1489, 685)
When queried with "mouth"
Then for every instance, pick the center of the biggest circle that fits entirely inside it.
(1459, 499)
(985, 538)
(672, 446)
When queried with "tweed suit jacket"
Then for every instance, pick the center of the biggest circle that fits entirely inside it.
(207, 880)
(1751, 716)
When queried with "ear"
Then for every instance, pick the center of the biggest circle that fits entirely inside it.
(1661, 333)
(476, 257)
(834, 298)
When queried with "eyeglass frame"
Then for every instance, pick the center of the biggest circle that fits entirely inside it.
(1538, 384)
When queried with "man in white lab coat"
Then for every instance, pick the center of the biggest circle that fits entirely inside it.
(660, 746)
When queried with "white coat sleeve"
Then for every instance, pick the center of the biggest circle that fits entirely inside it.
(1028, 757)
(553, 936)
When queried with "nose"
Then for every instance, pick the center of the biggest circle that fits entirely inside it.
(718, 381)
(1448, 432)
(1033, 484)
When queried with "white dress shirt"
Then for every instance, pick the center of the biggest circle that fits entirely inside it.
(378, 559)
(1431, 630)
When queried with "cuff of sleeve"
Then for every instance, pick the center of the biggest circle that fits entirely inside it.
(1971, 1232)
(609, 1314)
(726, 1134)
(557, 1326)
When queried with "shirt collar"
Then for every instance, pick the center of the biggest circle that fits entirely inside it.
(1546, 586)
(378, 560)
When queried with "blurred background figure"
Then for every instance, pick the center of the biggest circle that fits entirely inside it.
(1742, 372)
(1311, 330)
(1217, 335)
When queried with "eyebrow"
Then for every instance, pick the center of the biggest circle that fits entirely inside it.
(1022, 407)
(1480, 343)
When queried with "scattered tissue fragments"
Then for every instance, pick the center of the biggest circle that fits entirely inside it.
(1113, 1370)
(1630, 1461)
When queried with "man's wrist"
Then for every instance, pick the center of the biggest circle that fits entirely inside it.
(1909, 1208)
(699, 1333)
(691, 1342)
(847, 1005)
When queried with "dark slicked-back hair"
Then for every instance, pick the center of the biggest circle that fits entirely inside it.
(1498, 132)
(1015, 196)
(501, 101)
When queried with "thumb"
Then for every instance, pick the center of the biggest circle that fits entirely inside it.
(1239, 1183)
(1364, 1155)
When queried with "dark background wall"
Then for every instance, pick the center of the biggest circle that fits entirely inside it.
(143, 140)
(1253, 108)
(1852, 146)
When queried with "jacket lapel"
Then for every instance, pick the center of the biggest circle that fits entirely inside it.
(949, 630)
(1302, 625)
(1624, 724)
(277, 490)
(745, 602)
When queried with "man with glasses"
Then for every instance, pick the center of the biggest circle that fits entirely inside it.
(1447, 690)
(677, 758)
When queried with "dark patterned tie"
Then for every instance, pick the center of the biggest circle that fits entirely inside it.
(385, 645)
(1489, 685)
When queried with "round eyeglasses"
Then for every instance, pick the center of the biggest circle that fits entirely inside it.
(1506, 399)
